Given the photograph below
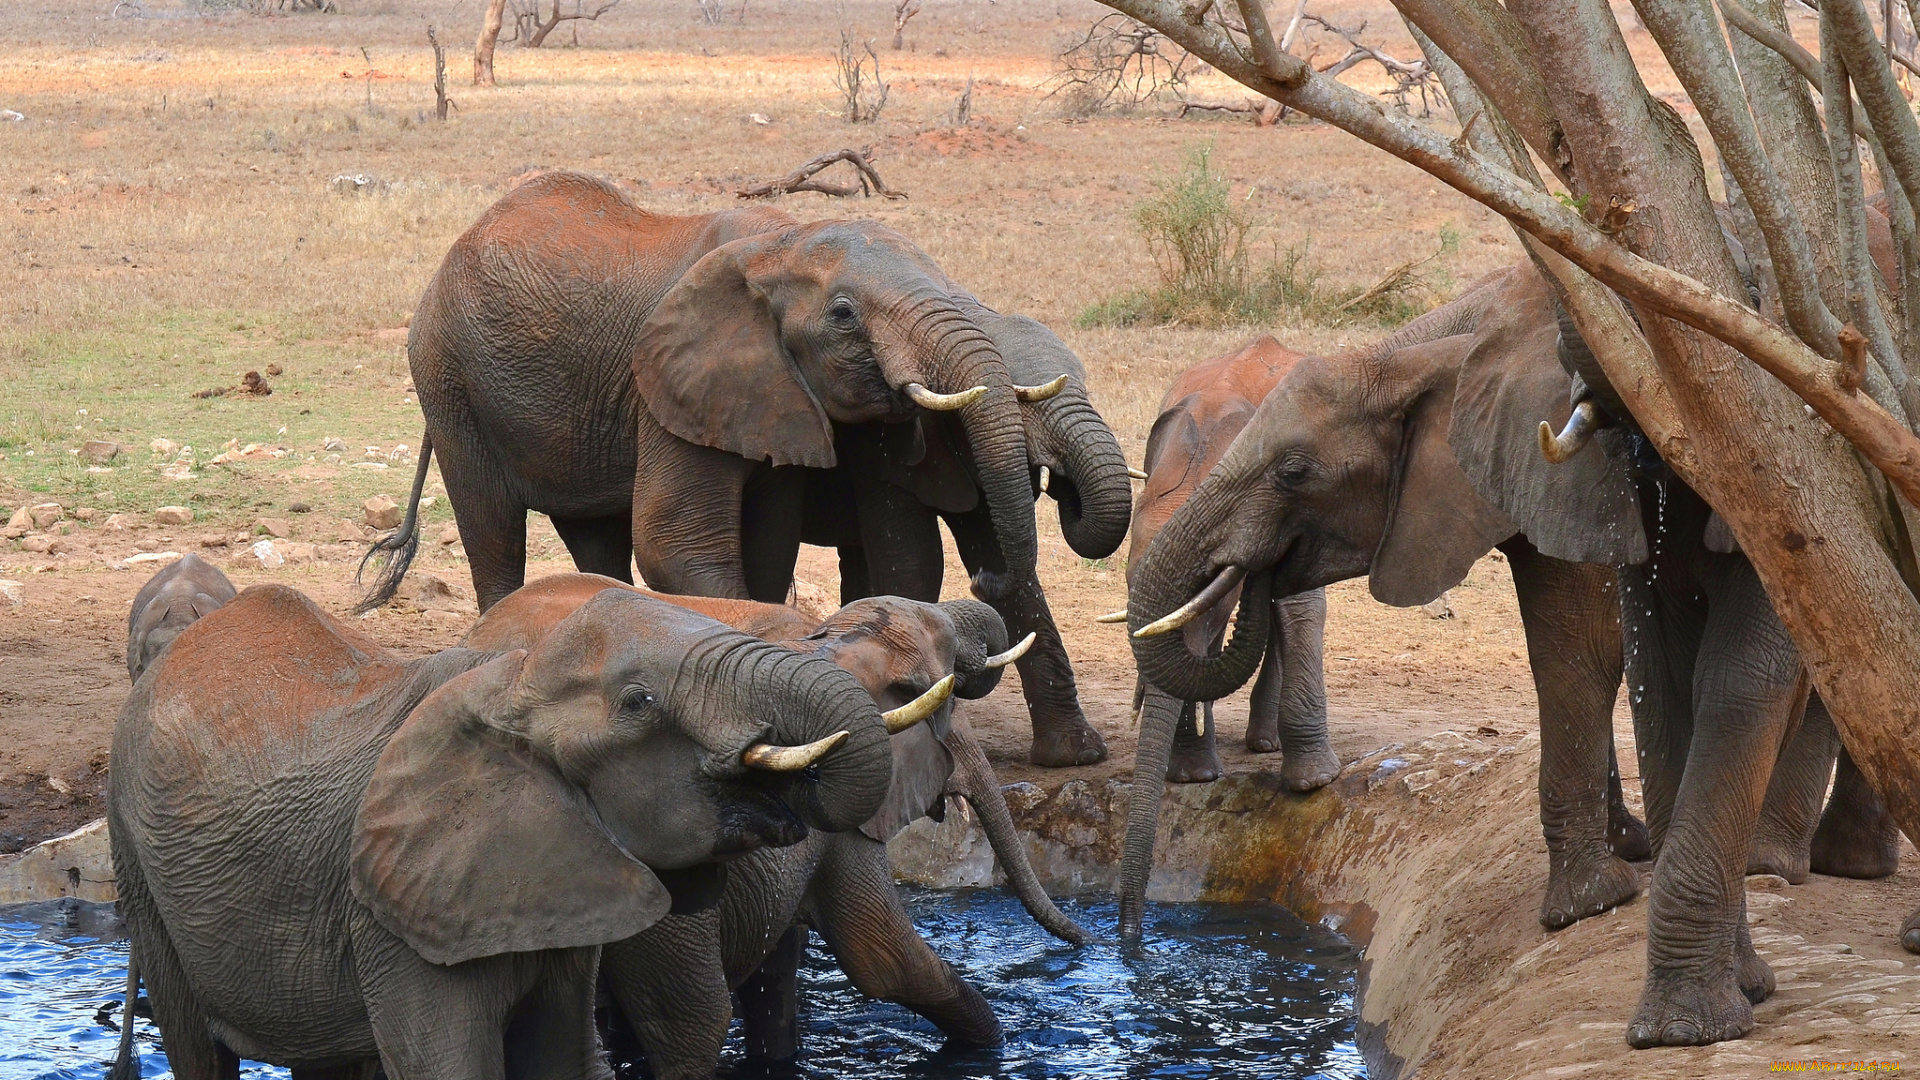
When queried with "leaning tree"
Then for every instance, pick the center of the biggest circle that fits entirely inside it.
(1606, 187)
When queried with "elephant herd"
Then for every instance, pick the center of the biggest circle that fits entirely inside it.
(341, 860)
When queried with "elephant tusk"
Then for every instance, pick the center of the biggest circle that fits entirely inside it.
(1136, 473)
(904, 717)
(1580, 428)
(1042, 392)
(1113, 616)
(1220, 586)
(776, 758)
(927, 399)
(1000, 660)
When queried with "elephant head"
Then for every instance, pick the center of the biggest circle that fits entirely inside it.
(769, 340)
(1404, 461)
(168, 603)
(530, 802)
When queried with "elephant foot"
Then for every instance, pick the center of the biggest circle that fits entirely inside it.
(1910, 933)
(1263, 734)
(1756, 978)
(1311, 767)
(1680, 1008)
(1582, 888)
(1780, 859)
(1627, 835)
(1193, 761)
(1065, 742)
(1844, 848)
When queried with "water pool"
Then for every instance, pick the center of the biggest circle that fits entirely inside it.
(1216, 990)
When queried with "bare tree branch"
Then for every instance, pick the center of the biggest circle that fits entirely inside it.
(867, 182)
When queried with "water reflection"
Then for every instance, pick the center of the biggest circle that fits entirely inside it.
(1243, 991)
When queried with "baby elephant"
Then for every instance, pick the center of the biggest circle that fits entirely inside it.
(672, 982)
(326, 853)
(168, 603)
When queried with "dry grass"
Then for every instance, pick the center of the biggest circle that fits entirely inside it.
(174, 222)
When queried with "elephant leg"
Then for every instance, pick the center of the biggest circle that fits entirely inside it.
(493, 529)
(1702, 975)
(1288, 710)
(1061, 735)
(687, 509)
(1626, 834)
(192, 1051)
(770, 1000)
(901, 536)
(1783, 836)
(432, 1021)
(856, 907)
(1857, 838)
(1660, 641)
(854, 582)
(1570, 612)
(602, 545)
(670, 984)
(1196, 758)
(550, 1032)
(770, 518)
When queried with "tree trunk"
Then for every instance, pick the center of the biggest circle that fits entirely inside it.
(483, 47)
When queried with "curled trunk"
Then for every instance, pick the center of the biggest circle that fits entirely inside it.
(1166, 662)
(982, 790)
(1094, 494)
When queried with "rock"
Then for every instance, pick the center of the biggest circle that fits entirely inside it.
(99, 451)
(18, 524)
(86, 513)
(45, 545)
(300, 508)
(268, 555)
(279, 528)
(172, 515)
(213, 541)
(301, 553)
(12, 594)
(381, 512)
(118, 522)
(439, 617)
(8, 116)
(334, 443)
(77, 865)
(351, 533)
(86, 601)
(163, 447)
(46, 515)
(432, 593)
(1437, 608)
(450, 535)
(147, 558)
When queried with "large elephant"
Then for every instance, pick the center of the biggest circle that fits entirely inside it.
(656, 384)
(672, 982)
(896, 482)
(325, 853)
(1408, 462)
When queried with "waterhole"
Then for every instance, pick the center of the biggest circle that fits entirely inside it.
(1215, 990)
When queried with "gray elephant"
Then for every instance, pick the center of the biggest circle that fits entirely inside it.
(881, 507)
(673, 982)
(1406, 462)
(325, 853)
(168, 603)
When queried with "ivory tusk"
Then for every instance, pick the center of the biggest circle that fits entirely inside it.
(1220, 586)
(1042, 392)
(904, 717)
(1580, 428)
(1000, 660)
(1113, 616)
(927, 399)
(1136, 473)
(776, 758)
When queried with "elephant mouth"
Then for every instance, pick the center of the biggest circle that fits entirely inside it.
(751, 817)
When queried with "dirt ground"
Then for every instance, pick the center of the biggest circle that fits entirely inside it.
(193, 192)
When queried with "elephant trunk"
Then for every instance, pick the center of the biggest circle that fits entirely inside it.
(1095, 494)
(1577, 359)
(982, 790)
(978, 634)
(1159, 715)
(801, 699)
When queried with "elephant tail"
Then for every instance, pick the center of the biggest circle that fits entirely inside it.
(983, 792)
(126, 1064)
(402, 543)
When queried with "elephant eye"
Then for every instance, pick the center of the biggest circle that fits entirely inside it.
(634, 700)
(842, 313)
(1293, 471)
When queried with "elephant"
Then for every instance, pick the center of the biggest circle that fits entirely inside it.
(658, 385)
(672, 982)
(1406, 461)
(168, 603)
(881, 509)
(325, 853)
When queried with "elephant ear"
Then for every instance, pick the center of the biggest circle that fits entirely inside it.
(1582, 510)
(469, 843)
(712, 370)
(1437, 524)
(921, 766)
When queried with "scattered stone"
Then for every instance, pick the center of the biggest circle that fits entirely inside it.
(334, 443)
(45, 545)
(369, 464)
(381, 512)
(449, 535)
(86, 601)
(354, 183)
(172, 515)
(147, 557)
(100, 451)
(59, 785)
(431, 592)
(118, 522)
(351, 533)
(179, 470)
(12, 594)
(163, 447)
(444, 618)
(8, 116)
(1437, 608)
(273, 369)
(269, 556)
(213, 541)
(300, 508)
(278, 528)
(46, 515)
(18, 524)
(86, 513)
(301, 553)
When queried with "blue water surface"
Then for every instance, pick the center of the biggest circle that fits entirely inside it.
(1215, 990)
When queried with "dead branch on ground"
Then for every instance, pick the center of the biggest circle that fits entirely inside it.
(867, 179)
(1264, 111)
